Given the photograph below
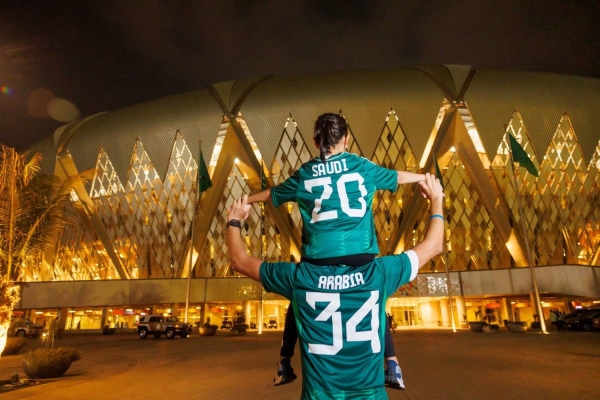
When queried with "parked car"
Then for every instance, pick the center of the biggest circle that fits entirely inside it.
(158, 325)
(272, 324)
(22, 327)
(584, 321)
(577, 312)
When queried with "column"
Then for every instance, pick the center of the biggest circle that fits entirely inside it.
(461, 310)
(445, 314)
(568, 304)
(203, 313)
(103, 318)
(534, 310)
(175, 309)
(505, 312)
(247, 308)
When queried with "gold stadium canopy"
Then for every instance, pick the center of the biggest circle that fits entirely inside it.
(142, 201)
(416, 95)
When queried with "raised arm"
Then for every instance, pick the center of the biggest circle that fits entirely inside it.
(409, 177)
(260, 197)
(240, 260)
(433, 243)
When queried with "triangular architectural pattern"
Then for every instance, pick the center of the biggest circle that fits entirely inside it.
(353, 146)
(106, 181)
(149, 222)
(504, 175)
(393, 151)
(180, 199)
(262, 238)
(80, 255)
(588, 229)
(559, 168)
(472, 241)
(291, 153)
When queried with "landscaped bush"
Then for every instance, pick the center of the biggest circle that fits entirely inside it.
(13, 345)
(49, 363)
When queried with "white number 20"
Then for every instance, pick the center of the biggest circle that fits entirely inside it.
(344, 201)
(352, 335)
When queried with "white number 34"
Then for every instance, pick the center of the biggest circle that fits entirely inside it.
(352, 335)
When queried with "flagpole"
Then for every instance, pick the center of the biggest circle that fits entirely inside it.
(538, 303)
(449, 285)
(198, 194)
(260, 287)
(448, 282)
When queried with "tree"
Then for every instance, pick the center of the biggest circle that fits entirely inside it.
(33, 208)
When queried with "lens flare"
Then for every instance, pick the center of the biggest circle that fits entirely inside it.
(6, 90)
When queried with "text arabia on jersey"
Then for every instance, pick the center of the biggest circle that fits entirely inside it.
(339, 282)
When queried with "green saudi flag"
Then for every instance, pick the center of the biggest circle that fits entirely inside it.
(521, 156)
(204, 182)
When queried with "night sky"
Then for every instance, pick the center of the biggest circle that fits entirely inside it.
(61, 60)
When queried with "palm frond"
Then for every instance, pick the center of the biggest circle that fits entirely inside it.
(33, 207)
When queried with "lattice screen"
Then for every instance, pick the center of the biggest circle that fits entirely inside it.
(261, 237)
(472, 242)
(393, 151)
(503, 173)
(149, 221)
(291, 153)
(80, 255)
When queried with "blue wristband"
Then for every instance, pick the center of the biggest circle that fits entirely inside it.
(440, 216)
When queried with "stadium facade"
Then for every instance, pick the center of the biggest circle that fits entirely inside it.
(129, 253)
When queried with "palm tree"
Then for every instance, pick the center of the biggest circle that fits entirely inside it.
(32, 209)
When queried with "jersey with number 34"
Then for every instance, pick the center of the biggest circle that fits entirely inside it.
(335, 200)
(340, 313)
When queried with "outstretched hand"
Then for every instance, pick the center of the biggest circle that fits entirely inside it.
(431, 188)
(240, 209)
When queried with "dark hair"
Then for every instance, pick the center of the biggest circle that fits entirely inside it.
(329, 130)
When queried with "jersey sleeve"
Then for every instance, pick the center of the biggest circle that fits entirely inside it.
(399, 269)
(386, 179)
(278, 278)
(286, 191)
(383, 178)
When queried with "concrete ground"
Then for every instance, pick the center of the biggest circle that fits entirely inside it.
(437, 364)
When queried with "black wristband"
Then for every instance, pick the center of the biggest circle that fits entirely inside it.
(234, 222)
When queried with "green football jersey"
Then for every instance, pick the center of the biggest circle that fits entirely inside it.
(340, 315)
(335, 200)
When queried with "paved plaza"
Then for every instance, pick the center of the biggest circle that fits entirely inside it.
(437, 364)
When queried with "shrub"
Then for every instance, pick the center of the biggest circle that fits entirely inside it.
(14, 345)
(49, 363)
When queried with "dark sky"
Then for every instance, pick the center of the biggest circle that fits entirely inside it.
(105, 55)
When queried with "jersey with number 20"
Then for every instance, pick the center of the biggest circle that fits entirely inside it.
(340, 313)
(335, 198)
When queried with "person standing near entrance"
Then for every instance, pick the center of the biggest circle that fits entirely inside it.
(335, 194)
(340, 309)
(391, 322)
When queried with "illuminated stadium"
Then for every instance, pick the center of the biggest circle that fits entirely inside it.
(130, 252)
